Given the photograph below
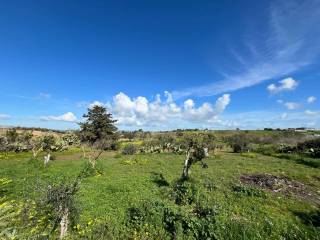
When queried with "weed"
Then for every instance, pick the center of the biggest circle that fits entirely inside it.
(248, 191)
(248, 154)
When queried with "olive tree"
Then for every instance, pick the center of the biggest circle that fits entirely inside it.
(36, 146)
(48, 143)
(239, 143)
(3, 144)
(43, 144)
(25, 137)
(196, 152)
(59, 203)
(12, 135)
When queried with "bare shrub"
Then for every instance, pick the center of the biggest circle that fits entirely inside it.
(129, 149)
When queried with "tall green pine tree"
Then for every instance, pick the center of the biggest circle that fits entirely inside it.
(99, 125)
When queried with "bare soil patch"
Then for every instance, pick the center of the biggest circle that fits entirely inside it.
(282, 185)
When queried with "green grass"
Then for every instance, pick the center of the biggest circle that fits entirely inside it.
(129, 181)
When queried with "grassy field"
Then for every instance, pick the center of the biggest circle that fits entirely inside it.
(136, 181)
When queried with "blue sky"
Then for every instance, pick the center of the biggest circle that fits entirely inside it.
(161, 64)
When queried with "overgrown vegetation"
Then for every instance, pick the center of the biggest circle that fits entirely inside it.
(129, 149)
(270, 192)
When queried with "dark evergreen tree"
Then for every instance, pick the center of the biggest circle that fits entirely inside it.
(99, 125)
(98, 132)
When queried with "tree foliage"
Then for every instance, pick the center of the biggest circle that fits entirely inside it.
(196, 153)
(239, 143)
(129, 149)
(12, 135)
(98, 127)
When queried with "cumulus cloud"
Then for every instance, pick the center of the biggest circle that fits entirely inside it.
(206, 112)
(311, 99)
(164, 113)
(291, 105)
(223, 102)
(4, 117)
(67, 117)
(188, 104)
(287, 84)
(203, 113)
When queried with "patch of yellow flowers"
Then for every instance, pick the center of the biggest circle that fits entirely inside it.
(86, 228)
(143, 233)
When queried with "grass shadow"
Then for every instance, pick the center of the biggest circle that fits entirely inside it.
(309, 163)
(159, 179)
(311, 218)
(314, 163)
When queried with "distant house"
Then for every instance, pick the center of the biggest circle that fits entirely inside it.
(301, 129)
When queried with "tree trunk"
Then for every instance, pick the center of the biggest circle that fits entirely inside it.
(93, 162)
(206, 152)
(185, 172)
(46, 159)
(64, 224)
(84, 152)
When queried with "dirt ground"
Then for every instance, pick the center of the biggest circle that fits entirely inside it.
(282, 185)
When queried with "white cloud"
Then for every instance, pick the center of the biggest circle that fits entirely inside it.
(67, 117)
(311, 99)
(123, 103)
(96, 103)
(165, 114)
(311, 113)
(204, 113)
(291, 105)
(4, 117)
(287, 84)
(290, 43)
(168, 96)
(141, 105)
(188, 104)
(222, 102)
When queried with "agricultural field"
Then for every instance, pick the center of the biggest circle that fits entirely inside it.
(247, 189)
